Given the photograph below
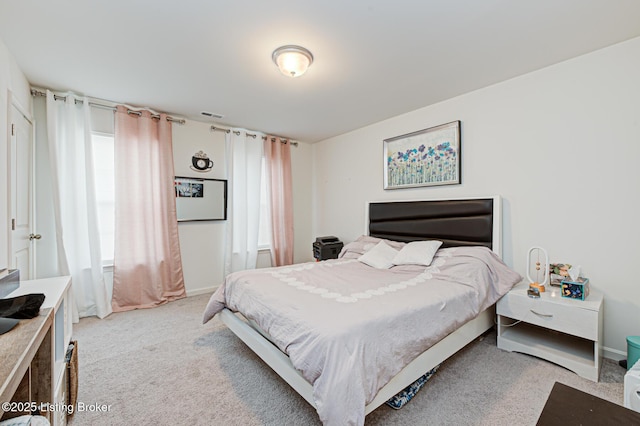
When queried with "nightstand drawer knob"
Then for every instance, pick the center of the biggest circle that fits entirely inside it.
(541, 315)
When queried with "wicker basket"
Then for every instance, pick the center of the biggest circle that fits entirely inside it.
(72, 370)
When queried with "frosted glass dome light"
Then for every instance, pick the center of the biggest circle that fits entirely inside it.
(292, 61)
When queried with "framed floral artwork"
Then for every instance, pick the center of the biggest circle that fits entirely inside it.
(427, 157)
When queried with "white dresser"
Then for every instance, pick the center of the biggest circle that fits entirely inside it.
(57, 296)
(565, 331)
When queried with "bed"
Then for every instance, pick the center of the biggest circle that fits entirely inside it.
(347, 345)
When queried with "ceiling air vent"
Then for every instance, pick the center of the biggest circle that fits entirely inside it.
(211, 114)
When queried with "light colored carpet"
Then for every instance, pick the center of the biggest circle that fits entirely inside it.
(162, 367)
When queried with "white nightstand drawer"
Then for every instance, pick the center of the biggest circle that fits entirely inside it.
(573, 320)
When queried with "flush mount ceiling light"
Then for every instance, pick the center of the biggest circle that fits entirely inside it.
(293, 61)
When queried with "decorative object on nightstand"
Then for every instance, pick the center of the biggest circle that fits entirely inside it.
(534, 253)
(575, 288)
(574, 285)
(564, 331)
(558, 272)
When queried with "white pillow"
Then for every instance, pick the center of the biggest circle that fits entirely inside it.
(381, 256)
(417, 253)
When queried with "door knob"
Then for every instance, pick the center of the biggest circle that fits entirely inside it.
(35, 236)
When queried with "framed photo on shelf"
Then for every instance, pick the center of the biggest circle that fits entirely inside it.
(427, 157)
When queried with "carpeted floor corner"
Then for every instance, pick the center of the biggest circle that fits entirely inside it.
(163, 367)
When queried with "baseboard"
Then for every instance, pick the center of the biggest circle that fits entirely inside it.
(613, 354)
(199, 291)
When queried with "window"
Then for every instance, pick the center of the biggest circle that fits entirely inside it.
(103, 160)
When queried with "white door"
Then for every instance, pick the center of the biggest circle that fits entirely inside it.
(21, 187)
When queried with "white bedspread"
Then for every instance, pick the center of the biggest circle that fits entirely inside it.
(349, 328)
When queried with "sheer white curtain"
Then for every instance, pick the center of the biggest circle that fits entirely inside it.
(244, 168)
(73, 191)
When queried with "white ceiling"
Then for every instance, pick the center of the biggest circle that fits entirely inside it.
(373, 59)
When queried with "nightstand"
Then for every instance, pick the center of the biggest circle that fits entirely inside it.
(564, 331)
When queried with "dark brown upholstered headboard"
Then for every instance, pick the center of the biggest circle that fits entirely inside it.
(454, 222)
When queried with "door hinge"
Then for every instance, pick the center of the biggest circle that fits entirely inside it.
(13, 129)
(13, 224)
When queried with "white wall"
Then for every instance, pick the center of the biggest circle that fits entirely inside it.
(561, 146)
(201, 243)
(13, 88)
(46, 250)
(302, 174)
